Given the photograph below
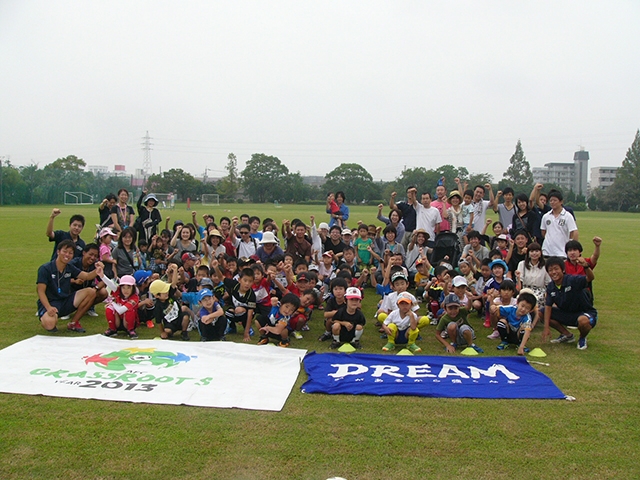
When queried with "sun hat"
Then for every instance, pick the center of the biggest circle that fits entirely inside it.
(127, 280)
(268, 237)
(106, 231)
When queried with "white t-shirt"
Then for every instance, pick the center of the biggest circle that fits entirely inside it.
(427, 219)
(479, 214)
(390, 302)
(558, 230)
(396, 318)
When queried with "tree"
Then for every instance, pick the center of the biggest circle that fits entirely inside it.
(230, 184)
(263, 178)
(176, 180)
(519, 171)
(354, 180)
(70, 163)
(625, 191)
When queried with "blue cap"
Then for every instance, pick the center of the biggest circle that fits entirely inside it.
(451, 299)
(141, 276)
(205, 292)
(499, 262)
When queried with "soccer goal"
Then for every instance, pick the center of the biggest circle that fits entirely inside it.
(165, 200)
(77, 198)
(210, 199)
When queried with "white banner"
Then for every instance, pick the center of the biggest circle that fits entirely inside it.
(212, 374)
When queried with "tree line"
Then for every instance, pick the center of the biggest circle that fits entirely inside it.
(266, 178)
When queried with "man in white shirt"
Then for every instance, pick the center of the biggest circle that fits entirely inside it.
(480, 205)
(558, 227)
(428, 217)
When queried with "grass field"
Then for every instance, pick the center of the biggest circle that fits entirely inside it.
(356, 437)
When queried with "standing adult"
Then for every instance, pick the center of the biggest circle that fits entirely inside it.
(558, 227)
(526, 219)
(505, 210)
(342, 213)
(76, 224)
(148, 216)
(122, 214)
(442, 205)
(408, 213)
(427, 217)
(480, 206)
(104, 210)
(394, 219)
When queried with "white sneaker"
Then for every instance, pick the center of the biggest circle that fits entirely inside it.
(66, 317)
(92, 313)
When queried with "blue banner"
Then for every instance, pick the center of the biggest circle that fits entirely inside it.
(426, 376)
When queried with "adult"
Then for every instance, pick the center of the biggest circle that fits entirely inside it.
(394, 219)
(569, 303)
(505, 210)
(76, 224)
(524, 218)
(480, 205)
(122, 214)
(342, 213)
(55, 296)
(558, 227)
(416, 248)
(268, 248)
(184, 240)
(334, 243)
(576, 264)
(148, 216)
(474, 252)
(87, 263)
(428, 218)
(212, 246)
(297, 245)
(125, 254)
(441, 204)
(408, 213)
(245, 246)
(104, 210)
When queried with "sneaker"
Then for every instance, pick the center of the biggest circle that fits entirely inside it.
(335, 344)
(263, 340)
(388, 347)
(284, 343)
(356, 344)
(185, 336)
(325, 336)
(433, 321)
(305, 328)
(92, 312)
(413, 348)
(150, 324)
(297, 335)
(487, 323)
(564, 339)
(66, 317)
(53, 330)
(75, 327)
(526, 350)
(582, 343)
(251, 331)
(110, 333)
(132, 334)
(494, 335)
(477, 348)
(503, 346)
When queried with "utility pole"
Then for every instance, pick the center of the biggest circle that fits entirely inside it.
(146, 162)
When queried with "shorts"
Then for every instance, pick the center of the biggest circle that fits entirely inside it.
(175, 326)
(65, 307)
(296, 322)
(460, 340)
(347, 335)
(570, 319)
(263, 321)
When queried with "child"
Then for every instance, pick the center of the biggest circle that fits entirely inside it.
(123, 307)
(146, 303)
(435, 293)
(338, 288)
(504, 296)
(401, 325)
(498, 270)
(467, 271)
(421, 278)
(262, 289)
(467, 213)
(242, 302)
(459, 285)
(399, 284)
(454, 325)
(349, 259)
(502, 245)
(348, 322)
(106, 237)
(170, 314)
(515, 322)
(482, 277)
(211, 320)
(143, 249)
(334, 209)
(362, 245)
(275, 324)
(308, 300)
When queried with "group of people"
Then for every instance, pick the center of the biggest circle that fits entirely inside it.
(268, 279)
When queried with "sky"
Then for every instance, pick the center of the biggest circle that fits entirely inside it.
(386, 84)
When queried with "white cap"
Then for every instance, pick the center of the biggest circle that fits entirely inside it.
(459, 281)
(346, 231)
(353, 292)
(323, 226)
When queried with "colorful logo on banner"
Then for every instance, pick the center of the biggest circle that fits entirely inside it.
(132, 357)
(438, 376)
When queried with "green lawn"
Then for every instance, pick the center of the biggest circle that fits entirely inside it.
(318, 436)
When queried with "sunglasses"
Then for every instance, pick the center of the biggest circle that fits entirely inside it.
(244, 233)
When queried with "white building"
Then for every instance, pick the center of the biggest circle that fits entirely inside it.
(602, 177)
(568, 176)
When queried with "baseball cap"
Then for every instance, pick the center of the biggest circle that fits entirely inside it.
(313, 267)
(346, 231)
(398, 276)
(451, 299)
(141, 276)
(158, 286)
(459, 281)
(353, 292)
(502, 236)
(127, 280)
(205, 292)
(404, 297)
(303, 276)
(188, 256)
(323, 226)
(106, 231)
(206, 282)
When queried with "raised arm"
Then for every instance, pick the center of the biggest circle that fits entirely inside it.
(54, 213)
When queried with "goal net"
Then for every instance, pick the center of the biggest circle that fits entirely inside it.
(165, 200)
(210, 199)
(77, 198)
